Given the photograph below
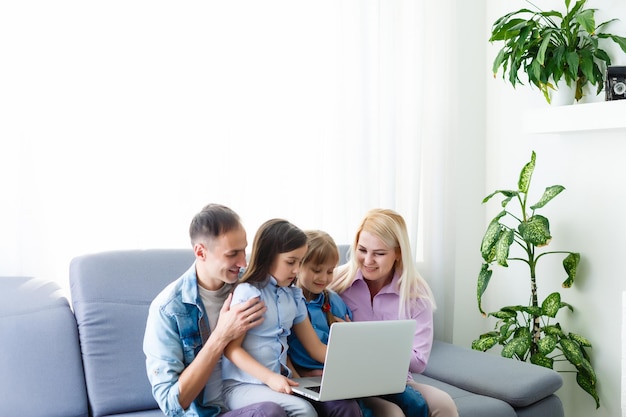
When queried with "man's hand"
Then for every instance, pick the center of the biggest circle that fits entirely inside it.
(235, 321)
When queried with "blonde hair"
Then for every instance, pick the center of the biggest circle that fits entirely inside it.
(390, 227)
(321, 249)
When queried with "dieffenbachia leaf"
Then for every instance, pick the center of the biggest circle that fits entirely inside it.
(551, 304)
(536, 230)
(483, 281)
(570, 263)
(502, 246)
(526, 174)
(548, 195)
(491, 237)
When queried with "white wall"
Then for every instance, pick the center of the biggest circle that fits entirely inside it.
(587, 217)
(115, 116)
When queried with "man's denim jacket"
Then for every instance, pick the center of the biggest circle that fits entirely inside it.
(172, 340)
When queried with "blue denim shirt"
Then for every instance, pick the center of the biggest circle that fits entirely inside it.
(171, 342)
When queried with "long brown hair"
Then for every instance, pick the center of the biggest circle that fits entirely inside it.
(274, 237)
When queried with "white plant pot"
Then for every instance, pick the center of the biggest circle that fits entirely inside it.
(563, 95)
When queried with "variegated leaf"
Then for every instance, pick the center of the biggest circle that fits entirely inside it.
(526, 174)
(548, 195)
(536, 230)
(570, 264)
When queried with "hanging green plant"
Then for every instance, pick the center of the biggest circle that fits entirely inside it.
(527, 332)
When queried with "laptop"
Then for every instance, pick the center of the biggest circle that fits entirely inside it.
(363, 358)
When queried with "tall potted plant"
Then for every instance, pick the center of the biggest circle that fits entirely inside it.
(550, 46)
(527, 332)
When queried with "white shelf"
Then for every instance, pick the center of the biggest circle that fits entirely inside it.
(577, 117)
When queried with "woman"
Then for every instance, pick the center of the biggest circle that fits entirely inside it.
(381, 282)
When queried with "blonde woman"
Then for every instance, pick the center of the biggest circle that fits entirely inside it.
(380, 281)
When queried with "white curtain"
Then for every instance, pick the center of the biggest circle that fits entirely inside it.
(119, 120)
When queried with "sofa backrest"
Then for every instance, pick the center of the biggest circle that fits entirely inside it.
(42, 373)
(111, 293)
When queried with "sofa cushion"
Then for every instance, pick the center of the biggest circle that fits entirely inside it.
(42, 373)
(482, 373)
(111, 293)
(468, 403)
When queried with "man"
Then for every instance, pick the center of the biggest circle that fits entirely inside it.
(190, 323)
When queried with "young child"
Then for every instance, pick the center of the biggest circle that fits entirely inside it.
(256, 365)
(326, 307)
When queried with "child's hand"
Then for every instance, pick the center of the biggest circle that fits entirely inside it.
(280, 383)
(346, 318)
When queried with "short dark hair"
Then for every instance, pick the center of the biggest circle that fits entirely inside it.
(212, 221)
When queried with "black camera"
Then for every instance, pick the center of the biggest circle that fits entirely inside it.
(615, 84)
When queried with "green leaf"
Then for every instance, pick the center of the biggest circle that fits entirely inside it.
(587, 21)
(491, 237)
(548, 195)
(526, 174)
(517, 346)
(551, 305)
(553, 329)
(483, 281)
(503, 314)
(546, 345)
(507, 193)
(569, 306)
(484, 343)
(582, 341)
(586, 384)
(536, 230)
(505, 240)
(541, 360)
(570, 264)
(572, 352)
(532, 310)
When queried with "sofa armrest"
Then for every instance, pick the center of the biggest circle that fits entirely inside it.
(515, 382)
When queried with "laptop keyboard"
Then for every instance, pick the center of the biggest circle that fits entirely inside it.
(315, 389)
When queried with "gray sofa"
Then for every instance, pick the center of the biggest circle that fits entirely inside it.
(87, 359)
